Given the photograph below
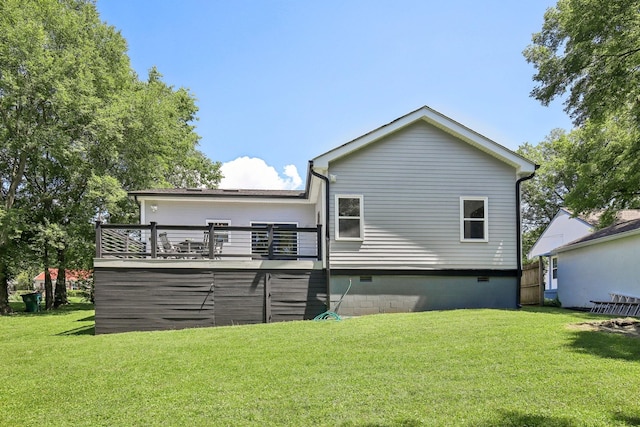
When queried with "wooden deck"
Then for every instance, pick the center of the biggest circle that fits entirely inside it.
(156, 277)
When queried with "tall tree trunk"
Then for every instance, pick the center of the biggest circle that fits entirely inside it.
(48, 288)
(48, 284)
(61, 282)
(5, 308)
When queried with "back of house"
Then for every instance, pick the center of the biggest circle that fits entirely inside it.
(419, 214)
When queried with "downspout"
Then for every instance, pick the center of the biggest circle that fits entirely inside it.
(327, 235)
(519, 236)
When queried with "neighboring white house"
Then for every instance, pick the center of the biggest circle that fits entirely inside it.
(600, 264)
(562, 229)
(565, 228)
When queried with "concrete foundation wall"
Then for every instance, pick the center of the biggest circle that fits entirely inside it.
(395, 294)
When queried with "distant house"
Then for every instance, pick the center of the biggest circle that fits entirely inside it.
(564, 228)
(599, 265)
(419, 214)
(72, 278)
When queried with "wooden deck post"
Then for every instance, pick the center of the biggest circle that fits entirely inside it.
(270, 239)
(211, 241)
(267, 298)
(154, 239)
(98, 239)
(319, 242)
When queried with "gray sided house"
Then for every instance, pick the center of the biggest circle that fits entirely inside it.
(419, 214)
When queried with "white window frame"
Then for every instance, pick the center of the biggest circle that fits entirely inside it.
(360, 197)
(485, 220)
(224, 234)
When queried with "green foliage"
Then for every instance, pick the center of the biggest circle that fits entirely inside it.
(555, 302)
(589, 51)
(24, 280)
(449, 368)
(546, 193)
(78, 129)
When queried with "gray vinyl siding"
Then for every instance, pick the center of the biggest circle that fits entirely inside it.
(411, 182)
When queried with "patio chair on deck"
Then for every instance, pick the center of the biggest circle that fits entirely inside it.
(217, 246)
(165, 244)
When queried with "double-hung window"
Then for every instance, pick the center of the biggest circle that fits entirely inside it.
(474, 223)
(349, 219)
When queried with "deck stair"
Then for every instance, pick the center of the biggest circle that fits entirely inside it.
(623, 305)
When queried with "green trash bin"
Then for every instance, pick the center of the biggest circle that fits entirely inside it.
(32, 302)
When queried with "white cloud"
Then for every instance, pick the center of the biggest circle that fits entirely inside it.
(254, 173)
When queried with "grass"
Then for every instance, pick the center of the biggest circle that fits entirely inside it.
(458, 368)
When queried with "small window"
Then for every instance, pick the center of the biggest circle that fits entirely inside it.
(473, 219)
(554, 267)
(349, 217)
(224, 234)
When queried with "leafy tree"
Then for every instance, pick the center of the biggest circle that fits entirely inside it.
(589, 51)
(547, 192)
(77, 130)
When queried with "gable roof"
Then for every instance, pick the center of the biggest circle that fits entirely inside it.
(442, 122)
(623, 215)
(588, 220)
(616, 231)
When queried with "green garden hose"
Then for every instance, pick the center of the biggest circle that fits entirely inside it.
(333, 315)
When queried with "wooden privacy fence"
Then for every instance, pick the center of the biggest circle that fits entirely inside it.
(532, 285)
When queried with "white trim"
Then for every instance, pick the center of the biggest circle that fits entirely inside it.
(337, 217)
(243, 199)
(485, 220)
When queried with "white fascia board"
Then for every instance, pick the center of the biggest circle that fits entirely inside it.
(523, 166)
(570, 247)
(248, 199)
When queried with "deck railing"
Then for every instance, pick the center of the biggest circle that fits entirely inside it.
(271, 242)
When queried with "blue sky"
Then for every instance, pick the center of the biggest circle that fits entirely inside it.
(279, 82)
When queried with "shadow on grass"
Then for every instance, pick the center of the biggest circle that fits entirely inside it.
(518, 419)
(627, 419)
(82, 330)
(607, 345)
(19, 309)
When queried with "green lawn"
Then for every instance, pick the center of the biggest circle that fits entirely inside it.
(458, 368)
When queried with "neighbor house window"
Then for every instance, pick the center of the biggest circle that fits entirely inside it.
(284, 241)
(349, 224)
(474, 225)
(554, 267)
(223, 234)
